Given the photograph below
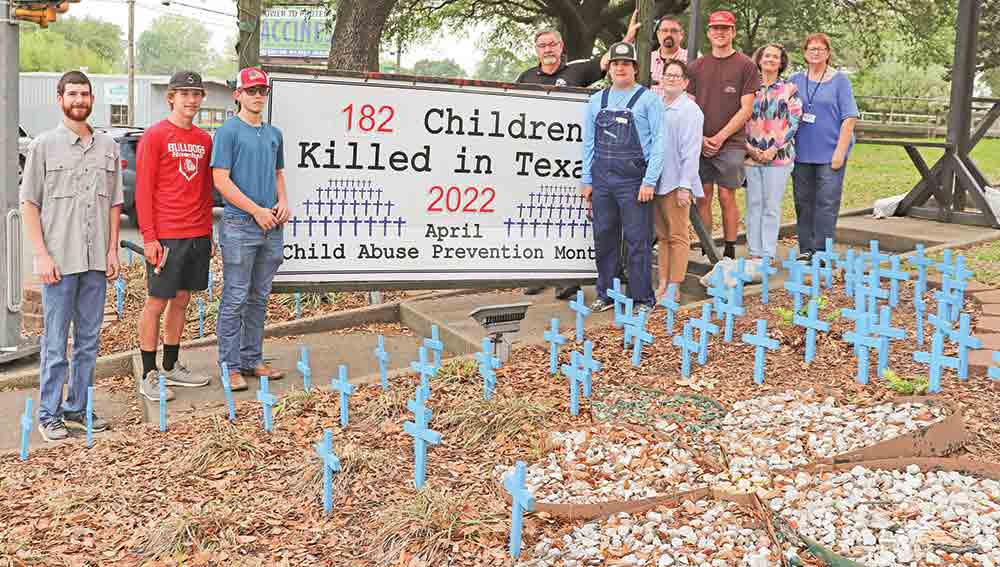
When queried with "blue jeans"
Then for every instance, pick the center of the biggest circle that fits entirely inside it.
(765, 191)
(250, 258)
(78, 299)
(618, 212)
(817, 188)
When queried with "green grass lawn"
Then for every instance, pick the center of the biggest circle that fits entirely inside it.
(874, 172)
(984, 261)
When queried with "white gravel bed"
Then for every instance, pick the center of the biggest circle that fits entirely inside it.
(894, 518)
(704, 533)
(608, 462)
(795, 428)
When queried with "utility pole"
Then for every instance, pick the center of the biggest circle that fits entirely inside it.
(643, 42)
(249, 14)
(11, 292)
(131, 62)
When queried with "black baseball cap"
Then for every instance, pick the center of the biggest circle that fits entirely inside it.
(186, 80)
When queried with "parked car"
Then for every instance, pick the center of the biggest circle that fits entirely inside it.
(23, 139)
(128, 146)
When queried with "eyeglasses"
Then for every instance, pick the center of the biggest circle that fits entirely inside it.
(258, 91)
(816, 50)
(672, 77)
(551, 44)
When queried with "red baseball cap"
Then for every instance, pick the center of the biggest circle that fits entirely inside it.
(252, 77)
(722, 18)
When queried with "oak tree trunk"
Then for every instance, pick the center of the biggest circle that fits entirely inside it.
(357, 34)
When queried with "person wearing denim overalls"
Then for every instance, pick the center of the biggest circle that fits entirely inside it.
(248, 169)
(622, 161)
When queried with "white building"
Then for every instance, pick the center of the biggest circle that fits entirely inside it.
(40, 111)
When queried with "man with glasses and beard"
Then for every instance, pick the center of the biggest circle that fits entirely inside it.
(248, 168)
(670, 35)
(71, 200)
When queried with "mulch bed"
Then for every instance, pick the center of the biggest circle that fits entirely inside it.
(207, 492)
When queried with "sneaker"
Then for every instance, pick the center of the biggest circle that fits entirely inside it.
(78, 420)
(600, 305)
(567, 292)
(150, 387)
(805, 257)
(181, 376)
(533, 290)
(53, 431)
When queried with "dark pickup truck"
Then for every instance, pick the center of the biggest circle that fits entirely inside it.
(128, 144)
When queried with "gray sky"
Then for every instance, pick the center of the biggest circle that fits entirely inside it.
(462, 50)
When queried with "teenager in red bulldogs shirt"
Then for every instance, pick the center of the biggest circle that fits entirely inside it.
(174, 205)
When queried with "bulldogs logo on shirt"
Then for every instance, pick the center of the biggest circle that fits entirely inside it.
(188, 168)
(188, 156)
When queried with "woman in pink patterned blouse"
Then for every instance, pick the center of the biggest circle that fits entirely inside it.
(777, 109)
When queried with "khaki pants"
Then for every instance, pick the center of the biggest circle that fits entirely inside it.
(672, 226)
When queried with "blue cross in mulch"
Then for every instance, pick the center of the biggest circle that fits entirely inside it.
(766, 271)
(895, 275)
(346, 389)
(732, 308)
(27, 419)
(886, 332)
(426, 370)
(921, 262)
(582, 311)
(742, 276)
(964, 339)
(422, 435)
(761, 341)
(852, 266)
(994, 371)
(717, 291)
(268, 400)
(90, 416)
(829, 257)
(435, 345)
(919, 308)
(487, 366)
(383, 363)
(555, 340)
(574, 374)
(635, 330)
(303, 366)
(945, 266)
(936, 360)
(795, 286)
(331, 464)
(671, 305)
(227, 388)
(705, 330)
(590, 365)
(862, 343)
(623, 303)
(521, 501)
(688, 345)
(812, 324)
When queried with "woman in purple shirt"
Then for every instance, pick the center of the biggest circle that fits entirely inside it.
(822, 144)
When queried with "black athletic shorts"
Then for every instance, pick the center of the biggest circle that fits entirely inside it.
(186, 267)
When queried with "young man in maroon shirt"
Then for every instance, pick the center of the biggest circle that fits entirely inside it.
(174, 206)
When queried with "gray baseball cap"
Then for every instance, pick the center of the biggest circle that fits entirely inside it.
(186, 80)
(623, 51)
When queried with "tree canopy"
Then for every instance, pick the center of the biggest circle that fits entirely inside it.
(172, 43)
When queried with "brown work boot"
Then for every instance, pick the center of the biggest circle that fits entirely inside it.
(237, 382)
(263, 370)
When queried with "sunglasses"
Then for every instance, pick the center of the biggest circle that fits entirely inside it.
(257, 91)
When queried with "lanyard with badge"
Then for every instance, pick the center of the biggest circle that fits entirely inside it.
(809, 117)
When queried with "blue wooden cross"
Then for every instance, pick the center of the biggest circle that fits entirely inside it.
(582, 312)
(640, 336)
(851, 266)
(201, 317)
(761, 341)
(731, 308)
(860, 310)
(90, 416)
(945, 266)
(874, 291)
(875, 257)
(303, 366)
(793, 266)
(298, 305)
(163, 402)
(936, 360)
(717, 291)
(267, 399)
(919, 308)
(862, 343)
(941, 320)
(957, 289)
(426, 370)
(487, 365)
(435, 345)
(211, 285)
(590, 365)
(331, 464)
(227, 388)
(948, 298)
(671, 306)
(921, 262)
(555, 340)
(829, 257)
(964, 339)
(994, 371)
(383, 363)
(795, 286)
(120, 296)
(346, 389)
(422, 435)
(812, 323)
(766, 271)
(574, 374)
(688, 345)
(895, 275)
(705, 330)
(814, 277)
(27, 418)
(886, 332)
(741, 275)
(521, 501)
(623, 303)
